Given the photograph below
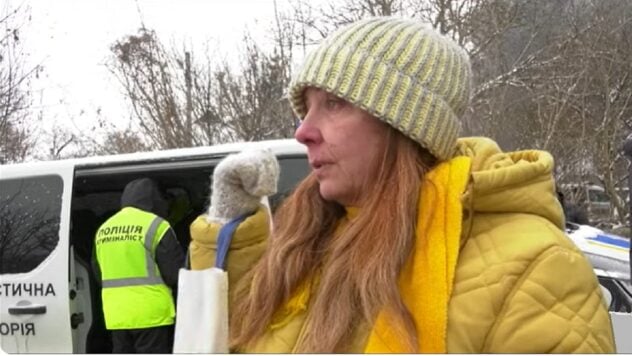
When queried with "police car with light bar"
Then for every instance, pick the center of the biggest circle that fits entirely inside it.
(610, 256)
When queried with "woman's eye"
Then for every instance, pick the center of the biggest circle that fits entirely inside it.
(333, 103)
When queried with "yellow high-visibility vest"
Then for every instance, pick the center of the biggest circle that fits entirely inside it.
(134, 294)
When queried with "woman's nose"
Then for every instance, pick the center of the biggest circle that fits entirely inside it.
(307, 133)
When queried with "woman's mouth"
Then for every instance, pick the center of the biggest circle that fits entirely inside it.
(318, 165)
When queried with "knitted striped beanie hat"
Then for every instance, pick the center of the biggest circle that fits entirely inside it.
(401, 71)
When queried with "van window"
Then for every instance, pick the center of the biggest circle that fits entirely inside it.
(29, 221)
(293, 170)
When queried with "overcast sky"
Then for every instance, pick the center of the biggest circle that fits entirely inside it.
(71, 40)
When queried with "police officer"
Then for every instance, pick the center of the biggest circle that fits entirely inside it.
(137, 260)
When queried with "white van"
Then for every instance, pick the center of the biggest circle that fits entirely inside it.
(49, 211)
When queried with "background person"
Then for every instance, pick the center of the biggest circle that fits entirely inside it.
(572, 212)
(403, 238)
(137, 260)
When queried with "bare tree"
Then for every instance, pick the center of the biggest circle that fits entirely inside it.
(556, 78)
(60, 140)
(253, 103)
(316, 21)
(122, 141)
(16, 139)
(178, 103)
(142, 66)
(606, 53)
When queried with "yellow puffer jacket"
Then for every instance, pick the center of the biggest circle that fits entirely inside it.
(520, 285)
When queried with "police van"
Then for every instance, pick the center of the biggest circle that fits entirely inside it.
(49, 212)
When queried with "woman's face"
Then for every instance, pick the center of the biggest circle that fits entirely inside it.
(344, 145)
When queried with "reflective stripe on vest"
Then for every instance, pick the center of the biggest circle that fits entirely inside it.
(150, 264)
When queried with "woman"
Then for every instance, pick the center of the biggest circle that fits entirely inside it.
(403, 238)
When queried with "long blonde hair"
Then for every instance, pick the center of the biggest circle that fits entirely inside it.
(358, 269)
